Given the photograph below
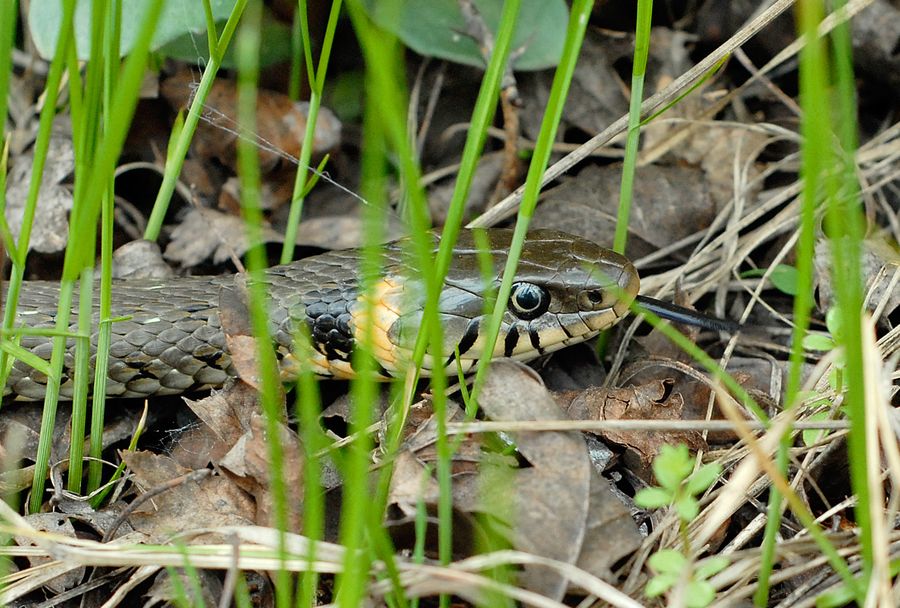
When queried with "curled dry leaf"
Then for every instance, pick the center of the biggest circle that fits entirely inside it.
(248, 464)
(419, 452)
(413, 478)
(208, 234)
(234, 315)
(670, 203)
(693, 387)
(280, 122)
(234, 437)
(226, 416)
(651, 401)
(563, 508)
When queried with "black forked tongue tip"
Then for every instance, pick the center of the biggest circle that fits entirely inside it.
(686, 316)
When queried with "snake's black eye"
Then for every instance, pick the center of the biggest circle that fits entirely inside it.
(528, 300)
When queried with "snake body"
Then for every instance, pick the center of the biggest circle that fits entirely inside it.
(567, 290)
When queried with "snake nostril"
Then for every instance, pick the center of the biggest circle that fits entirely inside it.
(595, 296)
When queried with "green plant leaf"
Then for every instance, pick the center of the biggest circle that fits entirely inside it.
(659, 584)
(436, 28)
(711, 566)
(839, 596)
(667, 561)
(177, 18)
(834, 322)
(705, 476)
(672, 466)
(653, 498)
(699, 594)
(688, 508)
(190, 46)
(818, 342)
(813, 436)
(784, 278)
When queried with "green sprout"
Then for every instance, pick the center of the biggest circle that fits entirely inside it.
(679, 486)
(827, 342)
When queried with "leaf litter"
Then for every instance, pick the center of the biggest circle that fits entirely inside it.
(714, 199)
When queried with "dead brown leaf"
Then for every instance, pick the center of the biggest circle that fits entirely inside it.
(560, 502)
(281, 122)
(249, 465)
(693, 387)
(651, 401)
(234, 437)
(50, 230)
(140, 260)
(226, 416)
(192, 505)
(208, 234)
(234, 315)
(20, 429)
(54, 523)
(413, 482)
(670, 203)
(597, 96)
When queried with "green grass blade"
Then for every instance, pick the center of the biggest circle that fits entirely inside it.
(249, 173)
(84, 220)
(175, 160)
(41, 145)
(638, 71)
(104, 329)
(578, 19)
(316, 83)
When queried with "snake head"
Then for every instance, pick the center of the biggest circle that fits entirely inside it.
(566, 290)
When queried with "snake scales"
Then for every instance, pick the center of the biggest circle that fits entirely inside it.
(172, 341)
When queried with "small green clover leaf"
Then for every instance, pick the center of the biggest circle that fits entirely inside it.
(813, 436)
(819, 342)
(654, 498)
(677, 486)
(670, 566)
(711, 566)
(699, 594)
(834, 323)
(824, 342)
(782, 276)
(672, 466)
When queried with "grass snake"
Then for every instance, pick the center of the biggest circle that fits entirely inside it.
(566, 291)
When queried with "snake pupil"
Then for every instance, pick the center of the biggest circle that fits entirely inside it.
(529, 300)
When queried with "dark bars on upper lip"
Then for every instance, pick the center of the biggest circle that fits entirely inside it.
(686, 316)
